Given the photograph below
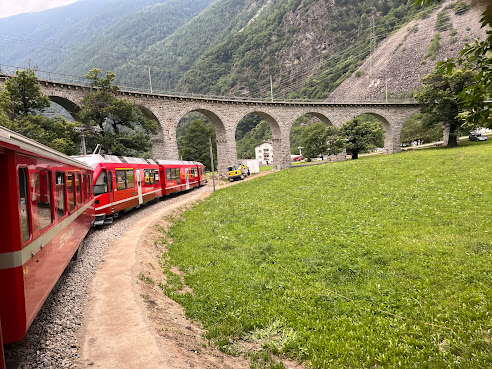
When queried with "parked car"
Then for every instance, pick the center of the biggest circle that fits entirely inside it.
(476, 136)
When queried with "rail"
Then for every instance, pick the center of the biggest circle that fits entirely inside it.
(7, 71)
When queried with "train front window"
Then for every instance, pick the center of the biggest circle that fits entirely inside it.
(101, 185)
(60, 194)
(43, 198)
(23, 203)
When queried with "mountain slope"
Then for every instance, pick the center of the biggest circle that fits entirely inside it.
(411, 53)
(233, 47)
(46, 38)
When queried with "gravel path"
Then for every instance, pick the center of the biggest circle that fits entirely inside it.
(52, 341)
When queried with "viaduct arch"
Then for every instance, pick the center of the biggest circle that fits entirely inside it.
(225, 114)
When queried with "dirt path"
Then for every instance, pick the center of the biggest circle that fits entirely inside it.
(129, 322)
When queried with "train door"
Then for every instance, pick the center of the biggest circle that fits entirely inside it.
(110, 187)
(139, 187)
(187, 179)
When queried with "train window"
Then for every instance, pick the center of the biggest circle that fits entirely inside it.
(101, 185)
(60, 194)
(155, 175)
(83, 188)
(120, 179)
(23, 203)
(43, 198)
(147, 176)
(130, 179)
(71, 194)
(88, 186)
(177, 175)
(124, 179)
(168, 175)
(78, 189)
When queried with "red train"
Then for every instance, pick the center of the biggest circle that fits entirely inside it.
(47, 209)
(49, 202)
(122, 183)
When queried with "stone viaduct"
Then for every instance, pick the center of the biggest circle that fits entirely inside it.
(225, 114)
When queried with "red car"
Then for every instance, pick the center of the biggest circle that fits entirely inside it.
(47, 209)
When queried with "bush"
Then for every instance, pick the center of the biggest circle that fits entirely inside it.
(359, 73)
(443, 22)
(461, 7)
(433, 47)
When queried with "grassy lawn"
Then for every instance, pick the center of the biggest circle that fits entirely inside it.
(385, 261)
(266, 168)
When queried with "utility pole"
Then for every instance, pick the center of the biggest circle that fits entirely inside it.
(82, 130)
(212, 161)
(271, 87)
(150, 79)
(372, 43)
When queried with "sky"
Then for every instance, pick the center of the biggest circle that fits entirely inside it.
(12, 7)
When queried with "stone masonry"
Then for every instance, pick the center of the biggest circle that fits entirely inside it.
(226, 114)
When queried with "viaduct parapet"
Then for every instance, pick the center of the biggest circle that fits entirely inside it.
(225, 115)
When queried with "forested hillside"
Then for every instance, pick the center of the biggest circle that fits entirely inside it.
(218, 47)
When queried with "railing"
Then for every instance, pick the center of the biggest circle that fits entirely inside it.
(9, 70)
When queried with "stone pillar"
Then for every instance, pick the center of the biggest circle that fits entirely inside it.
(281, 150)
(226, 151)
(392, 143)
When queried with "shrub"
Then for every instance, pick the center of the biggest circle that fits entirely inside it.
(461, 7)
(433, 47)
(443, 22)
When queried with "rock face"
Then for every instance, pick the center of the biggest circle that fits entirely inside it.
(400, 61)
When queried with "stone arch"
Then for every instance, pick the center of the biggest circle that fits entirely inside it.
(224, 150)
(387, 127)
(326, 120)
(322, 117)
(68, 104)
(278, 134)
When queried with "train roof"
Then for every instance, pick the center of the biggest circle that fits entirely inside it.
(94, 159)
(178, 162)
(16, 141)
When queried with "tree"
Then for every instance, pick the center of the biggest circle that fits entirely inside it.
(21, 103)
(56, 132)
(419, 129)
(123, 128)
(314, 140)
(334, 140)
(361, 134)
(5, 110)
(195, 143)
(25, 94)
(439, 97)
(474, 98)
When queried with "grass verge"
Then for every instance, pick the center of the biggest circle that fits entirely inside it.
(384, 261)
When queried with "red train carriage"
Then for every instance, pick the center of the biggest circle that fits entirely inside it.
(180, 175)
(47, 209)
(121, 183)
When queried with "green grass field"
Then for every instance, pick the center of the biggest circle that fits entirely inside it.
(385, 261)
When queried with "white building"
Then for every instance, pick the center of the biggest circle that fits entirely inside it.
(264, 153)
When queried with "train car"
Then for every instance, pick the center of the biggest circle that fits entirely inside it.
(178, 175)
(202, 175)
(121, 183)
(47, 209)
